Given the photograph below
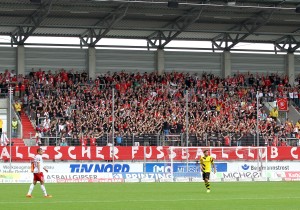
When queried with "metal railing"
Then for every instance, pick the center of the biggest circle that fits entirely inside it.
(294, 142)
(207, 139)
(103, 140)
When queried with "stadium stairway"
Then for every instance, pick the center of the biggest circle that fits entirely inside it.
(18, 142)
(293, 114)
(27, 126)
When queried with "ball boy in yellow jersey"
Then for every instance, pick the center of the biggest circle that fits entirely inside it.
(205, 163)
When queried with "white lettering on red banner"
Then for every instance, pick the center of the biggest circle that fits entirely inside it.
(149, 153)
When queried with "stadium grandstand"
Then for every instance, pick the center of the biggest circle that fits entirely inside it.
(202, 94)
(190, 79)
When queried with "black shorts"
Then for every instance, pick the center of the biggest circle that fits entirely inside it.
(205, 175)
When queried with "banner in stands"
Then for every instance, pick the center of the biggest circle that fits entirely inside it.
(282, 104)
(148, 153)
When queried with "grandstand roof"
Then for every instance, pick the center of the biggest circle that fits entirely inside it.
(223, 22)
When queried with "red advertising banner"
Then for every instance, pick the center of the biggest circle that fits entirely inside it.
(292, 174)
(282, 104)
(20, 153)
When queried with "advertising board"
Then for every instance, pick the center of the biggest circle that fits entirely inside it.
(152, 171)
(150, 153)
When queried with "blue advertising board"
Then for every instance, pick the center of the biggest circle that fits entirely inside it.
(180, 167)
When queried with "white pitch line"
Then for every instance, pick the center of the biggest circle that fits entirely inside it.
(121, 201)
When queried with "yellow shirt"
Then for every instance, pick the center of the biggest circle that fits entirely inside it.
(18, 107)
(206, 163)
(14, 124)
(274, 113)
(1, 123)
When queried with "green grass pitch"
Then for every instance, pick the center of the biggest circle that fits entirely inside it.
(154, 196)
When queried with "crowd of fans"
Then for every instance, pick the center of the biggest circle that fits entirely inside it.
(221, 111)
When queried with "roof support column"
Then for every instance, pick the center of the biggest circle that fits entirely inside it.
(92, 62)
(160, 61)
(21, 60)
(226, 71)
(290, 67)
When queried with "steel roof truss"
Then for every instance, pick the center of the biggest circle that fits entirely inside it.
(91, 36)
(180, 24)
(250, 25)
(287, 44)
(21, 34)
